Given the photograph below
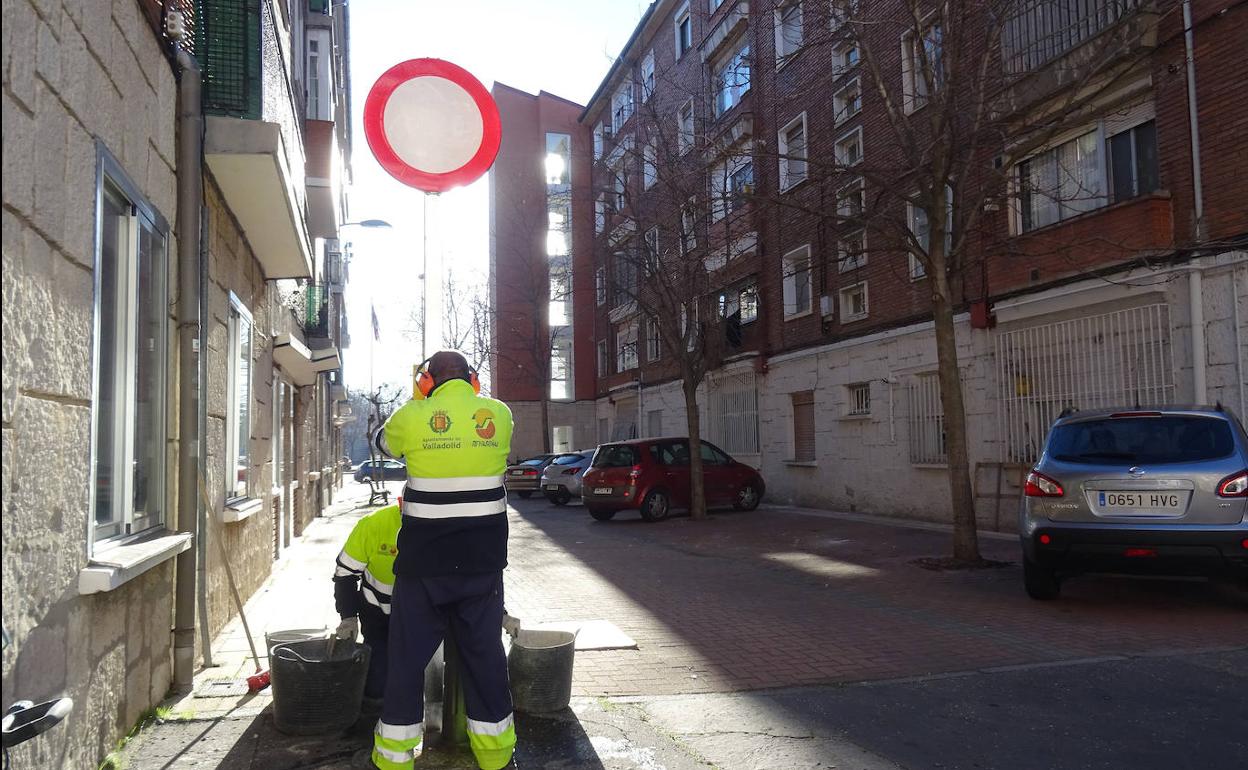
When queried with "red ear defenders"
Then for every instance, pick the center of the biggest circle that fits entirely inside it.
(425, 382)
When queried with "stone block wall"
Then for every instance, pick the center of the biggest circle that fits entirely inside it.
(75, 72)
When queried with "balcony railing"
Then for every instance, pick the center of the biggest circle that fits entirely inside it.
(227, 44)
(1044, 30)
(309, 303)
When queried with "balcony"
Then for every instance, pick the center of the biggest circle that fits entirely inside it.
(310, 307)
(253, 143)
(1052, 45)
(324, 182)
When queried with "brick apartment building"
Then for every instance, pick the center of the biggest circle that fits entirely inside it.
(541, 247)
(825, 377)
(99, 503)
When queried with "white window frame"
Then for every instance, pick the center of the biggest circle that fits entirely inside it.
(623, 102)
(689, 225)
(847, 311)
(600, 213)
(913, 84)
(682, 15)
(855, 133)
(626, 357)
(1102, 178)
(684, 127)
(858, 399)
(650, 164)
(841, 106)
(917, 272)
(788, 177)
(714, 5)
(238, 315)
(561, 347)
(598, 141)
(600, 286)
(841, 54)
(789, 279)
(112, 181)
(646, 76)
(654, 342)
(841, 11)
(855, 189)
(736, 93)
(785, 53)
(846, 263)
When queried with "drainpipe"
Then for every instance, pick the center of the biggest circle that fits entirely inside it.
(201, 521)
(190, 200)
(1199, 390)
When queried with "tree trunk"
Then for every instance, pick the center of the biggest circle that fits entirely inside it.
(697, 490)
(546, 425)
(965, 535)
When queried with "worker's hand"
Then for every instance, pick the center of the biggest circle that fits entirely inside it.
(511, 625)
(348, 629)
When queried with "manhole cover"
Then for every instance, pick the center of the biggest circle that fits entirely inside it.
(225, 687)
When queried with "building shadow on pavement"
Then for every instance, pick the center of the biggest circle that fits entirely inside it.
(546, 741)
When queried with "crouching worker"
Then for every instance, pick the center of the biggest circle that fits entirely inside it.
(452, 551)
(363, 584)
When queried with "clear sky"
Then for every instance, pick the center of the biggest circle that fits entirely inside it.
(561, 46)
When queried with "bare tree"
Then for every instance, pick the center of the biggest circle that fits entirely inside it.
(961, 111)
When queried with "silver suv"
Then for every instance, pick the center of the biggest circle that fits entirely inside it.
(1137, 490)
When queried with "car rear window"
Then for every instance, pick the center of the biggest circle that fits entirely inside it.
(533, 461)
(566, 460)
(1141, 440)
(619, 456)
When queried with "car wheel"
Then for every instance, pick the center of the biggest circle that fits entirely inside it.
(602, 514)
(656, 506)
(562, 497)
(748, 498)
(1042, 583)
(526, 494)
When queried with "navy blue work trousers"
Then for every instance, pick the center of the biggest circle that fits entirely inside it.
(422, 611)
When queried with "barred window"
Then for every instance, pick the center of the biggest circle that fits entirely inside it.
(927, 421)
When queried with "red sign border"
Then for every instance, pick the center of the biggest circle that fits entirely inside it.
(374, 125)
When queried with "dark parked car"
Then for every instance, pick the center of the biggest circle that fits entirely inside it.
(525, 477)
(652, 476)
(561, 481)
(381, 470)
(1137, 490)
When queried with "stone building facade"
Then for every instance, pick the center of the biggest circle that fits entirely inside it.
(91, 521)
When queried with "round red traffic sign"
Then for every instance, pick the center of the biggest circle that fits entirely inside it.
(431, 124)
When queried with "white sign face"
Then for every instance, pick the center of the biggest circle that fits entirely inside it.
(433, 124)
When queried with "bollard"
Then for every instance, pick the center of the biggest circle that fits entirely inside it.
(454, 714)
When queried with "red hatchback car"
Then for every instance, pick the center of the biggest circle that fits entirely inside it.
(652, 475)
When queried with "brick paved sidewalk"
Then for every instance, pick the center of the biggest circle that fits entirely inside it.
(783, 597)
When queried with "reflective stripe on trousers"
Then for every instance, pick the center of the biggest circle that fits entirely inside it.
(395, 747)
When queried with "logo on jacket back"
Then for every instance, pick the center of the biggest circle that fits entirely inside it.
(440, 422)
(484, 420)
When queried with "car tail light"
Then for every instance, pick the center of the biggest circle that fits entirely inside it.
(1235, 485)
(1045, 540)
(530, 473)
(1244, 543)
(1139, 553)
(1039, 485)
(1135, 414)
(571, 471)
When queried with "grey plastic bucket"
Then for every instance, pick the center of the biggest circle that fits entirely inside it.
(540, 668)
(274, 638)
(318, 685)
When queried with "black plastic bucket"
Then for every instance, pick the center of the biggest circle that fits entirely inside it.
(318, 685)
(540, 668)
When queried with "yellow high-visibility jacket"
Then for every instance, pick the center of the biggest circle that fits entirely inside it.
(455, 444)
(364, 572)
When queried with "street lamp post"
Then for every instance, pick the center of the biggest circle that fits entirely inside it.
(371, 224)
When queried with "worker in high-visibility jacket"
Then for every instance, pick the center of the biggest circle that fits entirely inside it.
(452, 551)
(363, 582)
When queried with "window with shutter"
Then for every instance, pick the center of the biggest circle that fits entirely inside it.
(804, 426)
